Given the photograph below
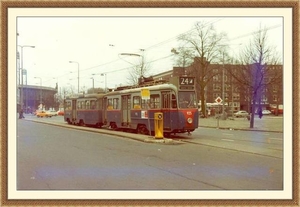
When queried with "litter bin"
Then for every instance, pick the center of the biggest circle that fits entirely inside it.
(158, 125)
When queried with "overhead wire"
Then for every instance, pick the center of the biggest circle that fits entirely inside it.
(164, 42)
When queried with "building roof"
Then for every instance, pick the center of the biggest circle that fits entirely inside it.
(37, 87)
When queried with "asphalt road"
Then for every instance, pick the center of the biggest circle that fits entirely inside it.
(58, 158)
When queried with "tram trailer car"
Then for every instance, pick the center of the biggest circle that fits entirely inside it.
(84, 110)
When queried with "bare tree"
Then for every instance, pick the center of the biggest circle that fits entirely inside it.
(138, 71)
(205, 42)
(256, 71)
(183, 56)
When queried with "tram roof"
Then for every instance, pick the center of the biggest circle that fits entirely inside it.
(166, 86)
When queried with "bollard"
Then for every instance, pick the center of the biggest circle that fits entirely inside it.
(158, 125)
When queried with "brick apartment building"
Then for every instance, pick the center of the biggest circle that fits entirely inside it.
(235, 96)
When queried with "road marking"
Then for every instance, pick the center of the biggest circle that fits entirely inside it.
(228, 140)
(227, 134)
(276, 139)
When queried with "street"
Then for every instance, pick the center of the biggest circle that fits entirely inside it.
(50, 157)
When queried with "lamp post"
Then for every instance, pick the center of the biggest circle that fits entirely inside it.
(104, 74)
(41, 97)
(93, 85)
(78, 72)
(223, 89)
(21, 70)
(138, 55)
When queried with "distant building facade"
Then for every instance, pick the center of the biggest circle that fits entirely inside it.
(235, 96)
(34, 96)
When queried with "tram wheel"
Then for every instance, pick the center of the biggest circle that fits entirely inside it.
(81, 123)
(143, 130)
(113, 126)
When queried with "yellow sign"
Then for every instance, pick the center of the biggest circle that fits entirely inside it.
(145, 93)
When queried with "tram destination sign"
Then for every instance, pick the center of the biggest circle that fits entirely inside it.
(187, 81)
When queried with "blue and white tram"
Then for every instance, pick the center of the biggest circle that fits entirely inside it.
(127, 109)
(84, 110)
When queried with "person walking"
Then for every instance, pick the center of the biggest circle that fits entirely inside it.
(21, 115)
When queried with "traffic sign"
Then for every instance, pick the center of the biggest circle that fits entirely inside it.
(218, 100)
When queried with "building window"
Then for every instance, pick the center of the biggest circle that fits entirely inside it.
(227, 87)
(216, 87)
(216, 78)
(216, 95)
(236, 96)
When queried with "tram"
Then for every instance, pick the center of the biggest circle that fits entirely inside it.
(127, 109)
(84, 110)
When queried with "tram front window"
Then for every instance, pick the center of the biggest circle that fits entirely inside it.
(187, 99)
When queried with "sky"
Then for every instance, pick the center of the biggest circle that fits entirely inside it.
(96, 43)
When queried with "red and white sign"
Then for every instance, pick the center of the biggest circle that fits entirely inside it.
(144, 114)
(218, 100)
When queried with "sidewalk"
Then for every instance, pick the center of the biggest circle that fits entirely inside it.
(266, 123)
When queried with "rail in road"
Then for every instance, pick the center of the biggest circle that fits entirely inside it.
(263, 146)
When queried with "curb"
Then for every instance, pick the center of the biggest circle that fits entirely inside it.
(137, 137)
(242, 129)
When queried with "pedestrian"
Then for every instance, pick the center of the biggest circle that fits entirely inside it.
(260, 114)
(21, 115)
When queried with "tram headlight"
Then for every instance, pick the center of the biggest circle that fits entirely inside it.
(189, 120)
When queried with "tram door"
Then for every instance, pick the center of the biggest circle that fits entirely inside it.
(105, 110)
(74, 110)
(166, 106)
(126, 106)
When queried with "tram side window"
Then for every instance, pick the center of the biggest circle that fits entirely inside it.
(115, 103)
(145, 102)
(68, 105)
(87, 104)
(165, 100)
(93, 104)
(174, 101)
(136, 102)
(154, 101)
(109, 103)
(79, 104)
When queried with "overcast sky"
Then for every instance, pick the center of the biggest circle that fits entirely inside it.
(87, 40)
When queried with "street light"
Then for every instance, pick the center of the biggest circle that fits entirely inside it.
(93, 85)
(78, 72)
(104, 74)
(41, 97)
(138, 55)
(21, 70)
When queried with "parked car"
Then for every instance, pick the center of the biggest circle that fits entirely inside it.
(41, 114)
(51, 112)
(60, 113)
(266, 112)
(241, 114)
